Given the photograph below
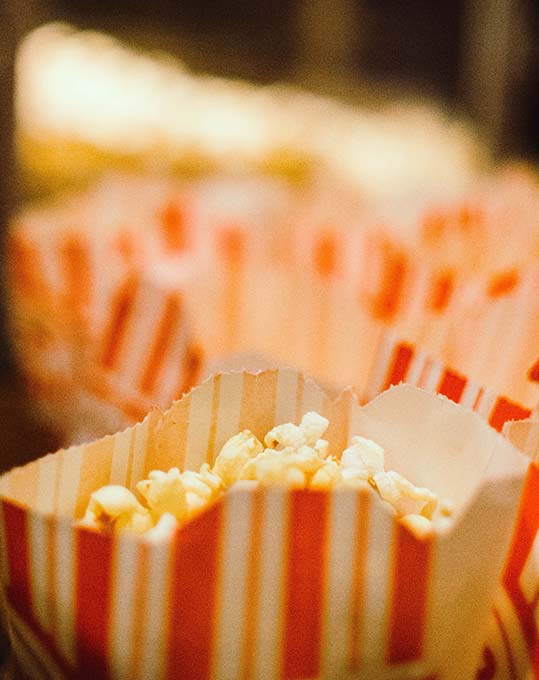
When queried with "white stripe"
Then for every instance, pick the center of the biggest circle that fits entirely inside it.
(64, 578)
(46, 485)
(486, 404)
(312, 399)
(416, 368)
(38, 571)
(68, 487)
(154, 650)
(469, 395)
(231, 605)
(285, 396)
(340, 571)
(531, 447)
(433, 378)
(169, 377)
(138, 465)
(148, 308)
(382, 363)
(198, 432)
(123, 610)
(120, 457)
(273, 556)
(377, 581)
(228, 415)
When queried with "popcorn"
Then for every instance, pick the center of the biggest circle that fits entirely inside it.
(327, 476)
(295, 456)
(404, 496)
(235, 454)
(364, 454)
(116, 507)
(308, 432)
(164, 492)
(418, 524)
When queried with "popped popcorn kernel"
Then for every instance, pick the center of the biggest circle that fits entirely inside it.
(164, 492)
(287, 435)
(234, 455)
(419, 525)
(114, 506)
(313, 427)
(406, 498)
(365, 454)
(327, 476)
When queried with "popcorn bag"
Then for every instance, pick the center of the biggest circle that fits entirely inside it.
(267, 582)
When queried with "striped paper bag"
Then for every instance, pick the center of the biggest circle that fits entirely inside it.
(266, 583)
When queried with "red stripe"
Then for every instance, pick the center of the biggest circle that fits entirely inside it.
(488, 669)
(231, 243)
(25, 268)
(503, 284)
(325, 255)
(411, 573)
(307, 535)
(163, 340)
(402, 357)
(16, 537)
(194, 577)
(191, 369)
(507, 645)
(116, 331)
(77, 274)
(452, 385)
(533, 373)
(442, 290)
(505, 410)
(93, 586)
(173, 226)
(526, 529)
(386, 303)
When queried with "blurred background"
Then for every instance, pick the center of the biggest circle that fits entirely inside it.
(475, 59)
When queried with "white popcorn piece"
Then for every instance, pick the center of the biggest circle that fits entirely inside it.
(115, 506)
(321, 447)
(164, 492)
(236, 452)
(313, 427)
(274, 468)
(164, 529)
(305, 458)
(308, 433)
(286, 435)
(352, 476)
(418, 525)
(327, 476)
(406, 498)
(364, 453)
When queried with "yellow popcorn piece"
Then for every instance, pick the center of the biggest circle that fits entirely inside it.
(164, 492)
(116, 507)
(308, 433)
(327, 476)
(364, 454)
(236, 452)
(406, 498)
(313, 427)
(200, 489)
(275, 468)
(419, 525)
